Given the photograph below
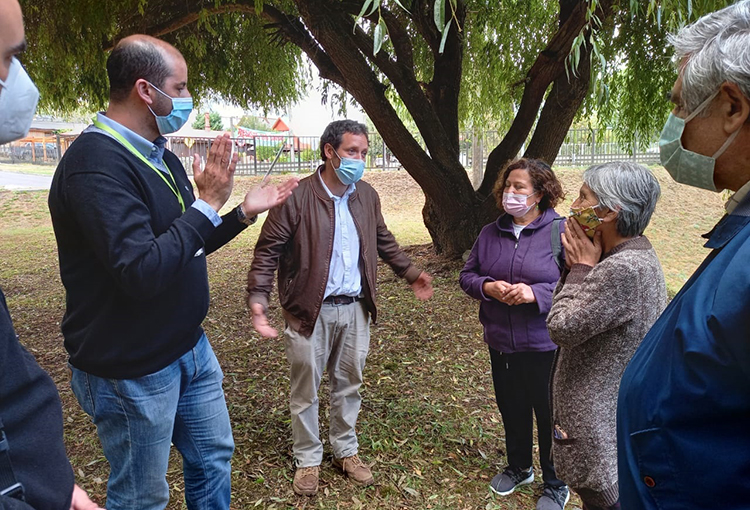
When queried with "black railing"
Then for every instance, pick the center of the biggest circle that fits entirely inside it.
(301, 154)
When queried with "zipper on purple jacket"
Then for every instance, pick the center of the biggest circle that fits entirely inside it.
(510, 316)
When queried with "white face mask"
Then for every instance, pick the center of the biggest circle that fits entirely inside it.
(18, 99)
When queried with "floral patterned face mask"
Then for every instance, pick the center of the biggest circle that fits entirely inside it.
(587, 219)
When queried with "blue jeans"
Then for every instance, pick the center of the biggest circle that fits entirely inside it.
(138, 419)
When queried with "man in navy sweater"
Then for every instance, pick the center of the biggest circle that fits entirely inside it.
(132, 242)
(34, 470)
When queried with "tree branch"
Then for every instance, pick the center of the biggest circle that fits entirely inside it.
(291, 29)
(548, 66)
(187, 13)
(405, 82)
(283, 28)
(444, 89)
(422, 14)
(399, 37)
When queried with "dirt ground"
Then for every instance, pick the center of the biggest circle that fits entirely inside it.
(429, 424)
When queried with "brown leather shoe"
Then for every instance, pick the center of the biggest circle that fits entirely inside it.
(306, 481)
(357, 471)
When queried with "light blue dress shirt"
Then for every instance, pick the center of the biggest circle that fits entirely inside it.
(154, 153)
(344, 277)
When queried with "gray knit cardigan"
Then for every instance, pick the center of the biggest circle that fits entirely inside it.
(598, 318)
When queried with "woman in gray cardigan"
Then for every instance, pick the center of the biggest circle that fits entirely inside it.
(607, 299)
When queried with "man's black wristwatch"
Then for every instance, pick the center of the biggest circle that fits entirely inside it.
(244, 219)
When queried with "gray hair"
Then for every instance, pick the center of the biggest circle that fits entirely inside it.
(629, 189)
(713, 50)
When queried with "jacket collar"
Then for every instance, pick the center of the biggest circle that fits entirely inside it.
(316, 181)
(731, 224)
(349, 189)
(634, 243)
(505, 221)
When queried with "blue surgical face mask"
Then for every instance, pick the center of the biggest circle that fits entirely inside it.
(18, 98)
(181, 108)
(688, 167)
(349, 170)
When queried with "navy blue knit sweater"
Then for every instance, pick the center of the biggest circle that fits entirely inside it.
(133, 265)
(31, 417)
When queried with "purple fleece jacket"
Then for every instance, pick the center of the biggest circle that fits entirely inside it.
(497, 256)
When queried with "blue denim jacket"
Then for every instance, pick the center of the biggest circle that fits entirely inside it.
(683, 418)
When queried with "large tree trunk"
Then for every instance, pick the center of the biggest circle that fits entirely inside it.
(454, 212)
(559, 110)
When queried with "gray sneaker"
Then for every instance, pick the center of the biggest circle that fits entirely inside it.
(553, 498)
(507, 481)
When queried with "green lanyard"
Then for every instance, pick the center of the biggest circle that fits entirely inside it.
(129, 146)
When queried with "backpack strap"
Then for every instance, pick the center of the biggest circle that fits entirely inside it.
(9, 486)
(556, 243)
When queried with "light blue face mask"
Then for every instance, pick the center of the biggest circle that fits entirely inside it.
(350, 170)
(181, 108)
(18, 98)
(688, 167)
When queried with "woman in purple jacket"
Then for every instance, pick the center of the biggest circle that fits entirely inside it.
(512, 270)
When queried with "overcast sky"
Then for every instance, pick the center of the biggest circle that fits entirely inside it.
(308, 117)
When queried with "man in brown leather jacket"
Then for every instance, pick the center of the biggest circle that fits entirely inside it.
(325, 241)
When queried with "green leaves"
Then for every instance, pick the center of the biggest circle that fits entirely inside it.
(377, 38)
(364, 12)
(439, 9)
(439, 15)
(398, 2)
(446, 30)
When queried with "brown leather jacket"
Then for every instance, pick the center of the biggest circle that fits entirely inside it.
(297, 237)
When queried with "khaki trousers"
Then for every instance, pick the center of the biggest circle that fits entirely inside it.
(339, 343)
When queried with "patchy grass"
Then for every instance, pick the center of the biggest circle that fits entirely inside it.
(29, 168)
(429, 423)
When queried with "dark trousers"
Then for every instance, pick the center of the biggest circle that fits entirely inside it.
(521, 381)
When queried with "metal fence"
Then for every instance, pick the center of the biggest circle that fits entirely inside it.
(298, 154)
(45, 152)
(590, 146)
(301, 154)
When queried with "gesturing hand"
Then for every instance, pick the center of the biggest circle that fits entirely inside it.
(262, 198)
(216, 179)
(81, 501)
(260, 322)
(422, 286)
(578, 247)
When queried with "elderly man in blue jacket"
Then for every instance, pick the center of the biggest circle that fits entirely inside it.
(684, 404)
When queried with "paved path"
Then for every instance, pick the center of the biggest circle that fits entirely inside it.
(26, 182)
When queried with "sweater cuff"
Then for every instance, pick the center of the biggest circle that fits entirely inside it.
(208, 211)
(199, 222)
(601, 499)
(578, 273)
